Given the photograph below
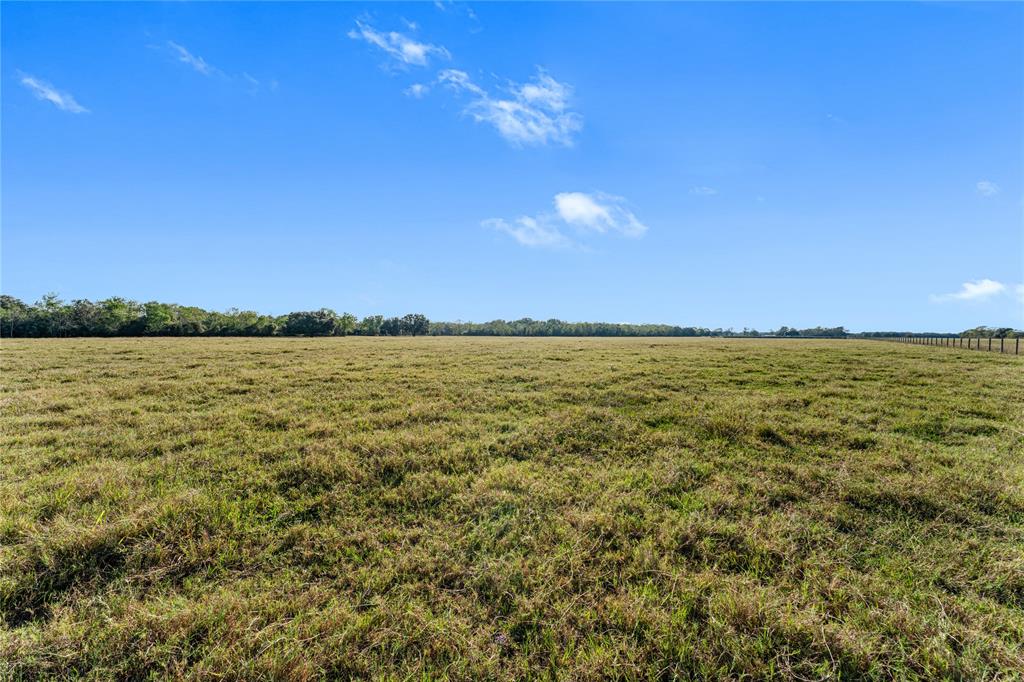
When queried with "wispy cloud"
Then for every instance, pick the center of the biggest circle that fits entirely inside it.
(460, 8)
(46, 92)
(251, 81)
(417, 90)
(402, 48)
(987, 188)
(195, 61)
(596, 213)
(533, 113)
(183, 55)
(531, 231)
(978, 290)
(703, 191)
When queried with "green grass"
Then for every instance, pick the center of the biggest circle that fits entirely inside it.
(455, 508)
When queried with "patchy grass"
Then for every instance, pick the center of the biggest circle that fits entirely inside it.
(438, 508)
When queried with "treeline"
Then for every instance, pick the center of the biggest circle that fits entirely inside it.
(530, 327)
(52, 317)
(975, 333)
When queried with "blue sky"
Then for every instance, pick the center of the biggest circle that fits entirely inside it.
(717, 165)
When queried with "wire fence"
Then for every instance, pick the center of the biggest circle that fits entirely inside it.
(990, 344)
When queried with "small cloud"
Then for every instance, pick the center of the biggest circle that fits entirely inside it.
(987, 188)
(195, 61)
(399, 46)
(596, 213)
(417, 90)
(46, 92)
(703, 191)
(535, 113)
(979, 290)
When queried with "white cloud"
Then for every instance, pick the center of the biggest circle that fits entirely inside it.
(399, 46)
(46, 92)
(987, 188)
(703, 191)
(978, 290)
(535, 113)
(195, 61)
(417, 90)
(586, 213)
(598, 212)
(545, 92)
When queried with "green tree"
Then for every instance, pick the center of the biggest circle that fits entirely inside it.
(414, 324)
(321, 322)
(13, 315)
(158, 318)
(370, 325)
(346, 324)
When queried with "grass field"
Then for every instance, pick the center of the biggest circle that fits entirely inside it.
(510, 508)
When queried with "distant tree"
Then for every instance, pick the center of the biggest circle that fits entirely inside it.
(119, 316)
(993, 332)
(158, 318)
(321, 322)
(370, 325)
(391, 326)
(13, 316)
(53, 316)
(346, 324)
(414, 324)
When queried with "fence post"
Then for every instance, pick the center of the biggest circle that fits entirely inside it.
(990, 344)
(1000, 345)
(1017, 349)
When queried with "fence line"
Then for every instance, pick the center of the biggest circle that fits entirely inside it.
(1001, 345)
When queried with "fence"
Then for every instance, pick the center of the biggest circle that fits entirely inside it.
(990, 344)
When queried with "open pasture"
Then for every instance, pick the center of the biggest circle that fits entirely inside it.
(429, 508)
